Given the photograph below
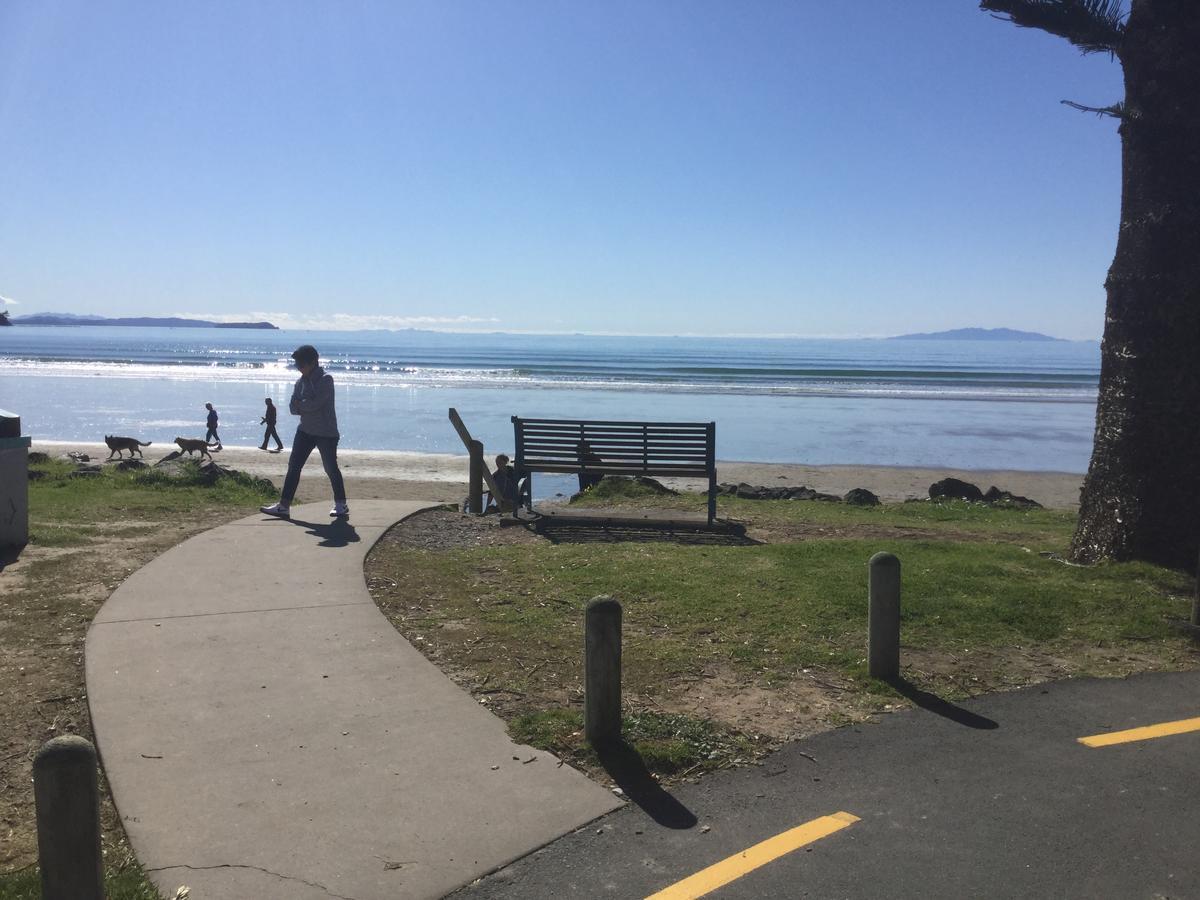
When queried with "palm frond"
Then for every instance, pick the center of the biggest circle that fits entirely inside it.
(1094, 26)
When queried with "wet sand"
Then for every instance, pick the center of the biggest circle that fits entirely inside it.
(397, 475)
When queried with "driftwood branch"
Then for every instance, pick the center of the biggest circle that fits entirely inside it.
(1117, 110)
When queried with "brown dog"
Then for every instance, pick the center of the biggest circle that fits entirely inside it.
(188, 445)
(117, 444)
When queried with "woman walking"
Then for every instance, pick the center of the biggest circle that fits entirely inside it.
(312, 401)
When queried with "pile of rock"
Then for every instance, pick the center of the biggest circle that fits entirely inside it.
(857, 496)
(956, 489)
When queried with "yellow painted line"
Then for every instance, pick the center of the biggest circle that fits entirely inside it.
(734, 867)
(1163, 729)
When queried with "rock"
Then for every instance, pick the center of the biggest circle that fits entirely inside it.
(126, 464)
(997, 497)
(753, 492)
(954, 489)
(87, 470)
(35, 475)
(726, 487)
(861, 497)
(655, 485)
(38, 457)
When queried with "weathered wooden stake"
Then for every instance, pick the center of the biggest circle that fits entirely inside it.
(883, 616)
(475, 485)
(1196, 599)
(602, 671)
(68, 820)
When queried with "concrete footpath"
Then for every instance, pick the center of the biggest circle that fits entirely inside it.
(267, 734)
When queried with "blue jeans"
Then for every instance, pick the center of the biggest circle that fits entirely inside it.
(302, 448)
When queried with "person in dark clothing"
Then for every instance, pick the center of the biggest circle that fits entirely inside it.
(211, 436)
(587, 457)
(312, 401)
(512, 491)
(268, 419)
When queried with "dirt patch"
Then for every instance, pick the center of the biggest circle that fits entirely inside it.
(777, 712)
(449, 529)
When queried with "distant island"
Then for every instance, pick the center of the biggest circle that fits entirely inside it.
(72, 321)
(976, 334)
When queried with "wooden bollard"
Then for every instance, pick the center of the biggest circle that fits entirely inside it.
(883, 616)
(602, 671)
(68, 820)
(475, 485)
(1196, 599)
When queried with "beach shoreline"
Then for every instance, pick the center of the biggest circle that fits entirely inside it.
(396, 474)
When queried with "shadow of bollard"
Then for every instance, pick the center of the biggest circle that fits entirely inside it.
(625, 766)
(935, 704)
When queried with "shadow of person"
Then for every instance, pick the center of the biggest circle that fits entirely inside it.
(624, 765)
(337, 533)
(935, 704)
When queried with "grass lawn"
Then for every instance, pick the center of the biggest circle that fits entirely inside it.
(730, 649)
(87, 534)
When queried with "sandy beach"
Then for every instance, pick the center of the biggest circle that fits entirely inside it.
(387, 474)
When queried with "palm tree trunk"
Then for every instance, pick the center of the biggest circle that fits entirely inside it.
(1141, 497)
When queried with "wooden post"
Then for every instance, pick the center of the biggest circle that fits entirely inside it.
(883, 616)
(475, 485)
(602, 671)
(68, 820)
(461, 428)
(1196, 599)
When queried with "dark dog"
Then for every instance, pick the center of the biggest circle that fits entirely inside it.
(188, 445)
(117, 444)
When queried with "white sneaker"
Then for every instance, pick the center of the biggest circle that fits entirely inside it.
(279, 510)
(340, 510)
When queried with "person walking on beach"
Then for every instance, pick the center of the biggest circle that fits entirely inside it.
(312, 401)
(268, 419)
(211, 436)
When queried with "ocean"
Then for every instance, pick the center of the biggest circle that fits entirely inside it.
(955, 404)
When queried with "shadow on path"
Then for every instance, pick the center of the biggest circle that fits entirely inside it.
(624, 765)
(935, 704)
(337, 533)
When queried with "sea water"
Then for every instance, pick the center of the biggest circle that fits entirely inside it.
(956, 404)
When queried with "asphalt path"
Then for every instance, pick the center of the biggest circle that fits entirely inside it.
(991, 798)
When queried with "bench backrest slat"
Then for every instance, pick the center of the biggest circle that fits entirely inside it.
(680, 449)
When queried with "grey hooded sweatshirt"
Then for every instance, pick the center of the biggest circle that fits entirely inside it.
(312, 401)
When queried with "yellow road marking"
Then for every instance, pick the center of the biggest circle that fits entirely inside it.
(734, 867)
(1163, 729)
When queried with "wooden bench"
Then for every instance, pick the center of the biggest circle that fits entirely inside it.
(668, 449)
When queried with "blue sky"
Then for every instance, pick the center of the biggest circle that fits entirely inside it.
(667, 167)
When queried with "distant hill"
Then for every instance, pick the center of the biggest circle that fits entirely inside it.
(976, 334)
(68, 320)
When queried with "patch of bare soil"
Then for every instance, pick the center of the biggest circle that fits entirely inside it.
(50, 595)
(779, 533)
(449, 529)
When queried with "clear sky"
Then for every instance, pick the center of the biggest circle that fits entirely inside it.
(755, 167)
